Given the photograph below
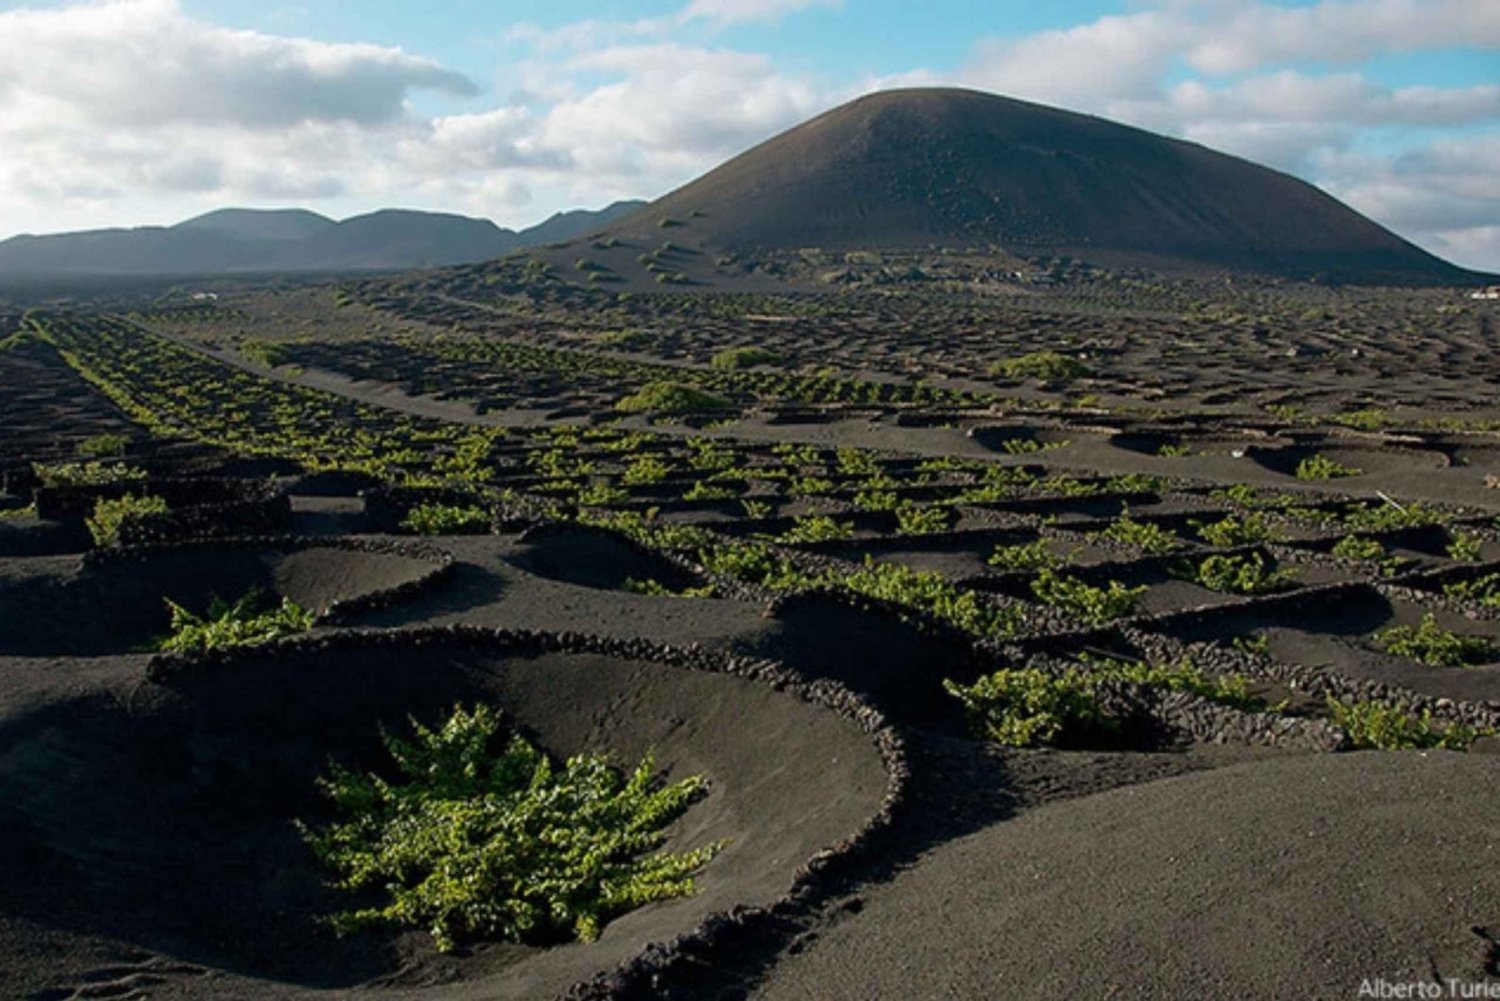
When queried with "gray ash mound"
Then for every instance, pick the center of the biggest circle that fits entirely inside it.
(159, 815)
(1291, 878)
(958, 168)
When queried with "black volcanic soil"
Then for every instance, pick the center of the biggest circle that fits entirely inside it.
(1294, 878)
(146, 822)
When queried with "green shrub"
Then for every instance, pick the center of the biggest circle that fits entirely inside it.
(112, 514)
(1387, 517)
(1022, 708)
(480, 835)
(755, 509)
(1370, 419)
(87, 474)
(671, 398)
(1182, 676)
(1023, 556)
(1049, 366)
(602, 494)
(1485, 590)
(747, 357)
(755, 562)
(1465, 547)
(1085, 601)
(447, 519)
(103, 446)
(702, 490)
(871, 499)
(1235, 530)
(246, 622)
(1170, 450)
(655, 588)
(1320, 467)
(1026, 707)
(922, 519)
(1149, 537)
(1135, 483)
(930, 592)
(274, 354)
(645, 469)
(816, 528)
(1431, 644)
(1246, 496)
(1389, 728)
(1240, 574)
(1356, 547)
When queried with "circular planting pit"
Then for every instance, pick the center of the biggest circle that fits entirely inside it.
(1020, 439)
(1366, 460)
(1163, 443)
(115, 601)
(593, 557)
(864, 646)
(162, 815)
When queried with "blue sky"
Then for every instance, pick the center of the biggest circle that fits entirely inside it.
(123, 112)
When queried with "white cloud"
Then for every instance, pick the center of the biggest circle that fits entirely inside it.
(1114, 56)
(1257, 34)
(1444, 196)
(134, 63)
(725, 12)
(670, 112)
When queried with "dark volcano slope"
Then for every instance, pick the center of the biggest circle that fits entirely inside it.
(913, 168)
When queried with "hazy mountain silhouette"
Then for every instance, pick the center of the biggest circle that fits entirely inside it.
(944, 167)
(287, 240)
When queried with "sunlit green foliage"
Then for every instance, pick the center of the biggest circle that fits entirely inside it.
(671, 398)
(1033, 555)
(113, 514)
(103, 446)
(1433, 645)
(87, 474)
(1235, 574)
(1236, 530)
(1082, 600)
(1390, 728)
(447, 519)
(478, 834)
(245, 622)
(1485, 590)
(1048, 366)
(1321, 467)
(1147, 536)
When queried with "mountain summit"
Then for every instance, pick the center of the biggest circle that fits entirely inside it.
(947, 167)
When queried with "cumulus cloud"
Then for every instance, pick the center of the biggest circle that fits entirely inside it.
(1239, 37)
(1445, 196)
(143, 63)
(134, 99)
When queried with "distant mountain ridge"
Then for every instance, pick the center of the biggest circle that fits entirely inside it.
(232, 240)
(942, 167)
